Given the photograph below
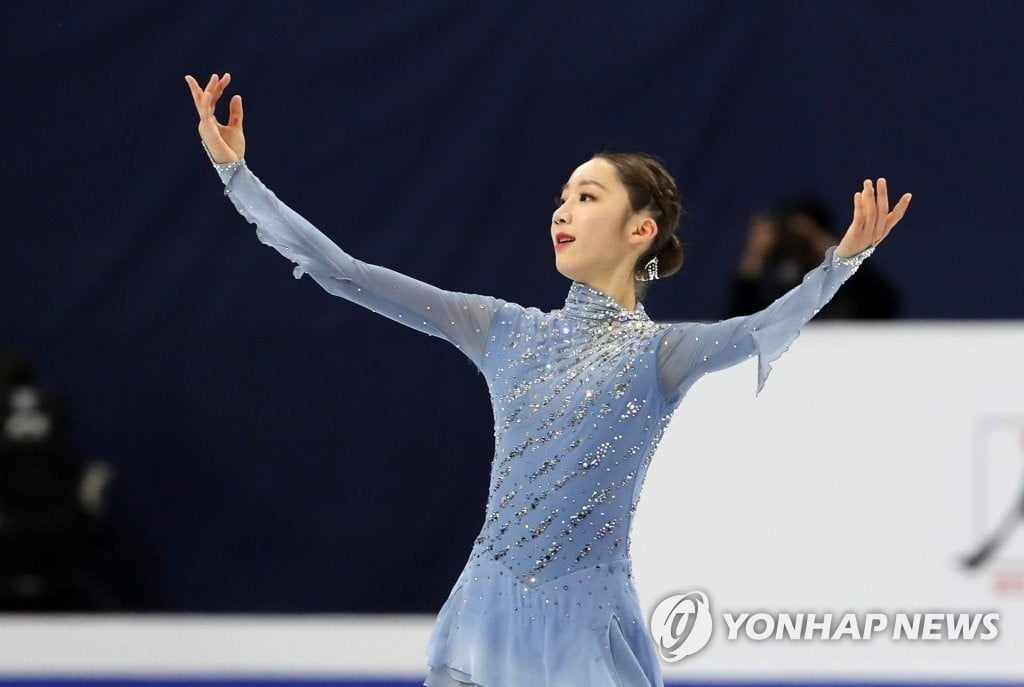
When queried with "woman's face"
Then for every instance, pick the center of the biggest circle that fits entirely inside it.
(593, 208)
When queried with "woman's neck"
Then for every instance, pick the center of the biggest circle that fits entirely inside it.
(623, 292)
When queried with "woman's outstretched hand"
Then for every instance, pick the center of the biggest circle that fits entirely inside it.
(872, 220)
(226, 142)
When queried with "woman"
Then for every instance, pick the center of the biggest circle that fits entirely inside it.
(581, 398)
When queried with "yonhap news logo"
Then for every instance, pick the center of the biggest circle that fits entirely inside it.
(682, 624)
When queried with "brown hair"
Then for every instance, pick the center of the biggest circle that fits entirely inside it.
(653, 189)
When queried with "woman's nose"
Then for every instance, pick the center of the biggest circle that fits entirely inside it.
(559, 217)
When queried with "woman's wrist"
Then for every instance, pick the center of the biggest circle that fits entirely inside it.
(852, 260)
(215, 162)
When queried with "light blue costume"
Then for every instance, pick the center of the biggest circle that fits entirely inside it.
(581, 397)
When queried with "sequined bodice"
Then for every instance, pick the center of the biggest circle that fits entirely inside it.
(577, 419)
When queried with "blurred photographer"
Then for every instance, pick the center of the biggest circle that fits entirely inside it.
(783, 245)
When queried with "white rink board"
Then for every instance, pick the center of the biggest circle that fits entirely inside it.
(875, 457)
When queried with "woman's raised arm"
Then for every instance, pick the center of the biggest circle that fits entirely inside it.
(463, 319)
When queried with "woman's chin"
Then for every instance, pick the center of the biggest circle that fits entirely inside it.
(565, 271)
(569, 274)
(566, 264)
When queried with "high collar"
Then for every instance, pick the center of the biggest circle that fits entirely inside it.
(587, 303)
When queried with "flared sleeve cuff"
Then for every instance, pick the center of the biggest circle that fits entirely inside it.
(225, 170)
(773, 336)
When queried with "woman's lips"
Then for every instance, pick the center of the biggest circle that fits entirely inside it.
(559, 243)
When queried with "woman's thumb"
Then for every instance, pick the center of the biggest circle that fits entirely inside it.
(236, 111)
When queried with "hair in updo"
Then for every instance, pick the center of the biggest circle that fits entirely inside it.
(653, 189)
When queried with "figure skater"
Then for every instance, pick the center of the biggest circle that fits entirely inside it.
(581, 397)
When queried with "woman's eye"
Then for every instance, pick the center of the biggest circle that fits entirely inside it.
(559, 202)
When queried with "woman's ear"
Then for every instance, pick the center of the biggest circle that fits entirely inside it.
(647, 227)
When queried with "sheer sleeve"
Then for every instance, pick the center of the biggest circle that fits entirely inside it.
(462, 319)
(689, 350)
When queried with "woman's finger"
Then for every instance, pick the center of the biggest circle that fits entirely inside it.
(883, 206)
(868, 195)
(205, 110)
(193, 87)
(881, 212)
(211, 90)
(197, 95)
(897, 212)
(219, 88)
(858, 212)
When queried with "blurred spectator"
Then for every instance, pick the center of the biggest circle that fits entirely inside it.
(50, 500)
(782, 246)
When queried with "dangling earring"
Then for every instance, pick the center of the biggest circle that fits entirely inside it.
(652, 270)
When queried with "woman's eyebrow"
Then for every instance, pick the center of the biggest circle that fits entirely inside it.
(584, 183)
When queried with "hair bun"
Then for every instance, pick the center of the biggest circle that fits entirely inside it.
(670, 257)
(671, 246)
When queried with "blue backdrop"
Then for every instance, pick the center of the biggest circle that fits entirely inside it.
(279, 449)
